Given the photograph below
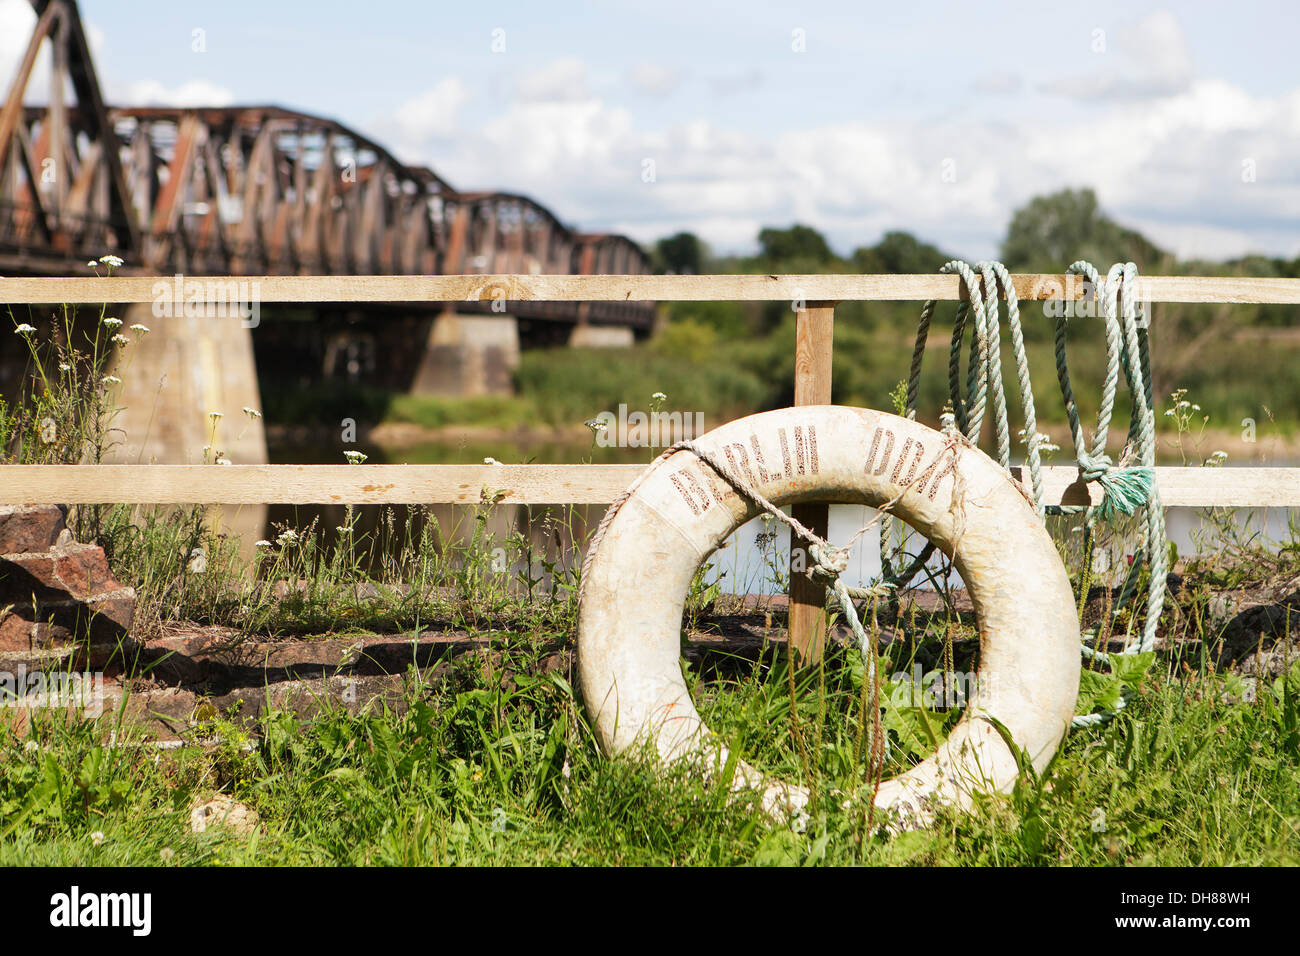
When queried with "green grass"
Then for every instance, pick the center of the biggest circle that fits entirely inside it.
(404, 571)
(428, 411)
(483, 771)
(573, 385)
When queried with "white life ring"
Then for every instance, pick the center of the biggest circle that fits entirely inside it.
(679, 510)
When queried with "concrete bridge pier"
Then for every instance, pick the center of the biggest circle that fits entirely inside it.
(469, 354)
(173, 378)
(585, 336)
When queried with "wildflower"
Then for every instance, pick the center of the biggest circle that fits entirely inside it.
(342, 529)
(111, 380)
(25, 329)
(166, 854)
(659, 397)
(263, 543)
(97, 838)
(215, 416)
(140, 329)
(287, 538)
(111, 261)
(252, 412)
(65, 367)
(31, 747)
(354, 457)
(120, 339)
(112, 322)
(490, 461)
(92, 263)
(49, 431)
(1217, 459)
(597, 424)
(198, 561)
(223, 460)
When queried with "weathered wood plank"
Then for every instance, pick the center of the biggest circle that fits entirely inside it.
(523, 484)
(312, 484)
(813, 353)
(1250, 487)
(619, 288)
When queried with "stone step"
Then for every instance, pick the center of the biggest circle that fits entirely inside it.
(26, 528)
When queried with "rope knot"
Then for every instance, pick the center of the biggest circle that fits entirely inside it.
(1124, 490)
(827, 561)
(1094, 469)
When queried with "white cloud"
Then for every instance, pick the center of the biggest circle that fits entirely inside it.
(1150, 59)
(1171, 165)
(189, 93)
(435, 112)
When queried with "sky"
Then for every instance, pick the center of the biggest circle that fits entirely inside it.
(720, 118)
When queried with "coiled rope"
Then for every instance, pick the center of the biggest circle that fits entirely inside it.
(1128, 487)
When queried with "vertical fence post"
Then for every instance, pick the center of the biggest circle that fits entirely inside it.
(814, 333)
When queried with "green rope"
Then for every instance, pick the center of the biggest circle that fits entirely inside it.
(1127, 489)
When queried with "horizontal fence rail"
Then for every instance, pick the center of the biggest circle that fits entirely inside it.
(623, 288)
(813, 297)
(520, 484)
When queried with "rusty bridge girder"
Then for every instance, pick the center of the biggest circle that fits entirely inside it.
(255, 190)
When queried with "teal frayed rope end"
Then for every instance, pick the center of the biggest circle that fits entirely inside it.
(1124, 490)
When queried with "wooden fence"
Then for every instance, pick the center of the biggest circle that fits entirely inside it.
(814, 297)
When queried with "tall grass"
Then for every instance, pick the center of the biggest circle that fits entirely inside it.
(477, 768)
